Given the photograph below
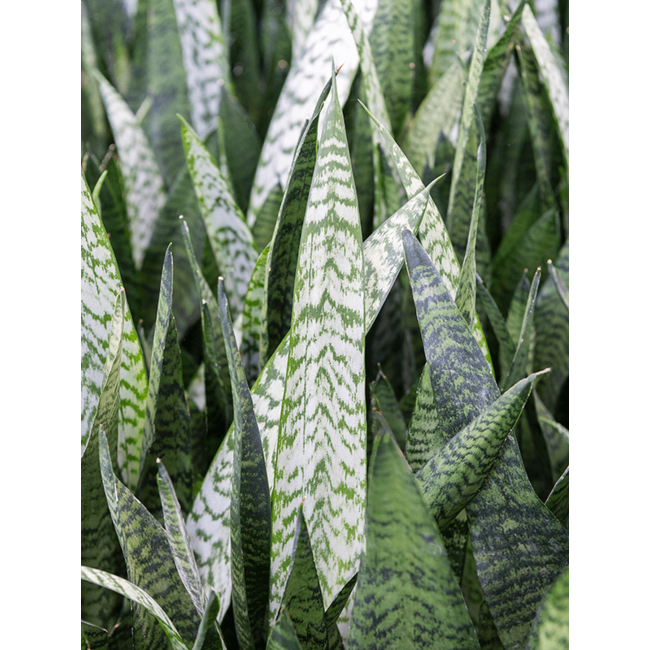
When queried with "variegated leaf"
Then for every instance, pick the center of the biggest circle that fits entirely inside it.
(230, 238)
(204, 59)
(551, 627)
(143, 182)
(283, 635)
(409, 598)
(300, 17)
(321, 451)
(558, 500)
(329, 36)
(250, 506)
(137, 595)
(100, 282)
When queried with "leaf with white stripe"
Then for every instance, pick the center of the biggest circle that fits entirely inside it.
(204, 60)
(329, 36)
(100, 282)
(137, 595)
(230, 238)
(143, 182)
(321, 452)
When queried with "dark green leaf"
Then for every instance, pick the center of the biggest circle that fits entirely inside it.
(334, 611)
(283, 635)
(209, 635)
(385, 402)
(556, 437)
(551, 627)
(558, 499)
(250, 507)
(424, 437)
(264, 225)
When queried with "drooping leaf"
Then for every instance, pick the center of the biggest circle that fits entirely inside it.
(143, 182)
(100, 282)
(302, 598)
(456, 473)
(137, 595)
(408, 599)
(323, 410)
(250, 507)
(230, 238)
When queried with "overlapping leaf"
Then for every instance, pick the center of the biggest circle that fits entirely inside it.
(250, 506)
(100, 282)
(551, 628)
(230, 238)
(321, 445)
(408, 599)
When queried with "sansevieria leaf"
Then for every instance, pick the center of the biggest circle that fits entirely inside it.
(283, 635)
(137, 595)
(322, 441)
(407, 595)
(250, 506)
(100, 283)
(551, 628)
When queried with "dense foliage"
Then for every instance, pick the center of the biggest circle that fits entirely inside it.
(325, 307)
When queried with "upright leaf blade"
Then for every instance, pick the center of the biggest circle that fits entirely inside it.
(321, 446)
(250, 508)
(408, 598)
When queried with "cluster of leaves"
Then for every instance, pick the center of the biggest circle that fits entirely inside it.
(331, 417)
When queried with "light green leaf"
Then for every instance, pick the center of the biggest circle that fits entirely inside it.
(551, 627)
(264, 225)
(204, 59)
(456, 473)
(100, 282)
(558, 93)
(99, 544)
(143, 182)
(424, 437)
(324, 410)
(230, 238)
(285, 243)
(179, 541)
(137, 595)
(408, 599)
(250, 507)
(307, 76)
(149, 558)
(558, 500)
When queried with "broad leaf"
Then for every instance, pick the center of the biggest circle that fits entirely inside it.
(551, 627)
(324, 410)
(283, 635)
(408, 599)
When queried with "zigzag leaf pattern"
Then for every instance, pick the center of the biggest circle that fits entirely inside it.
(321, 451)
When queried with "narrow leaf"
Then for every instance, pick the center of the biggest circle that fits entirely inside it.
(283, 635)
(264, 225)
(431, 612)
(558, 499)
(179, 540)
(302, 598)
(143, 183)
(100, 282)
(250, 508)
(323, 410)
(137, 595)
(551, 628)
(149, 559)
(386, 403)
(456, 473)
(230, 238)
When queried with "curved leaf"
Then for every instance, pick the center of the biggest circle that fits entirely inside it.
(558, 499)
